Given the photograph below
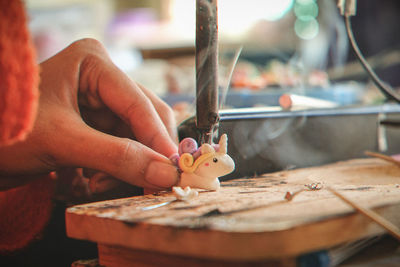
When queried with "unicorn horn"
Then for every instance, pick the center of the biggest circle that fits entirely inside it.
(223, 144)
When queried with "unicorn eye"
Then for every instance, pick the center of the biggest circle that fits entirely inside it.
(215, 160)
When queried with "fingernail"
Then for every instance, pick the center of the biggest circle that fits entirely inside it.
(161, 174)
(174, 158)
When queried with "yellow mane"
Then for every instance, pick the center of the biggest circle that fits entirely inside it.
(186, 161)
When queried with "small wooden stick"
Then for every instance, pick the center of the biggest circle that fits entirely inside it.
(382, 156)
(391, 228)
(292, 101)
(289, 195)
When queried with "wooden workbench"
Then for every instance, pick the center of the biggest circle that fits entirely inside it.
(247, 221)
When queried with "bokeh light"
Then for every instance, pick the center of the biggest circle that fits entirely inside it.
(234, 17)
(306, 29)
(306, 25)
(306, 11)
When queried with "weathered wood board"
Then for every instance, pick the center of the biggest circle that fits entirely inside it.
(249, 219)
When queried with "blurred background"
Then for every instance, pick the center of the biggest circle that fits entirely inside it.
(267, 48)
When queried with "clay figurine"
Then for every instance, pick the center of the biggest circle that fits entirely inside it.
(184, 194)
(202, 166)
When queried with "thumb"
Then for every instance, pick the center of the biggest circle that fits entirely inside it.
(122, 158)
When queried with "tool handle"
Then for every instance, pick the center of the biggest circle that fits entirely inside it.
(206, 68)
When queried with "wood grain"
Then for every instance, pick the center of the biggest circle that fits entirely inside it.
(112, 256)
(249, 219)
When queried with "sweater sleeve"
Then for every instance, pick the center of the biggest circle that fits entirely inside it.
(18, 74)
(24, 211)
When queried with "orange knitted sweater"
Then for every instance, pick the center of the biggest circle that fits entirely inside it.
(25, 210)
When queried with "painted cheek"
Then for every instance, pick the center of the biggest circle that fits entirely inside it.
(207, 164)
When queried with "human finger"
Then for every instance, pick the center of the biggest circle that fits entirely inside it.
(165, 112)
(101, 182)
(102, 81)
(122, 158)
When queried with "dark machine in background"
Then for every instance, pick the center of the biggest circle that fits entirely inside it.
(262, 141)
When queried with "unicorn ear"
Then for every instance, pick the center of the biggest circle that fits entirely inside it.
(206, 148)
(223, 144)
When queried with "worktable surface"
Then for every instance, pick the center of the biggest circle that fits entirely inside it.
(249, 219)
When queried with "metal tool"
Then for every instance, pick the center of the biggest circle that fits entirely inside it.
(207, 117)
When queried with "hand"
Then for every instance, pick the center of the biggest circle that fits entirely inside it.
(89, 114)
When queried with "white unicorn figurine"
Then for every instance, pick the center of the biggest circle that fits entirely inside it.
(202, 167)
